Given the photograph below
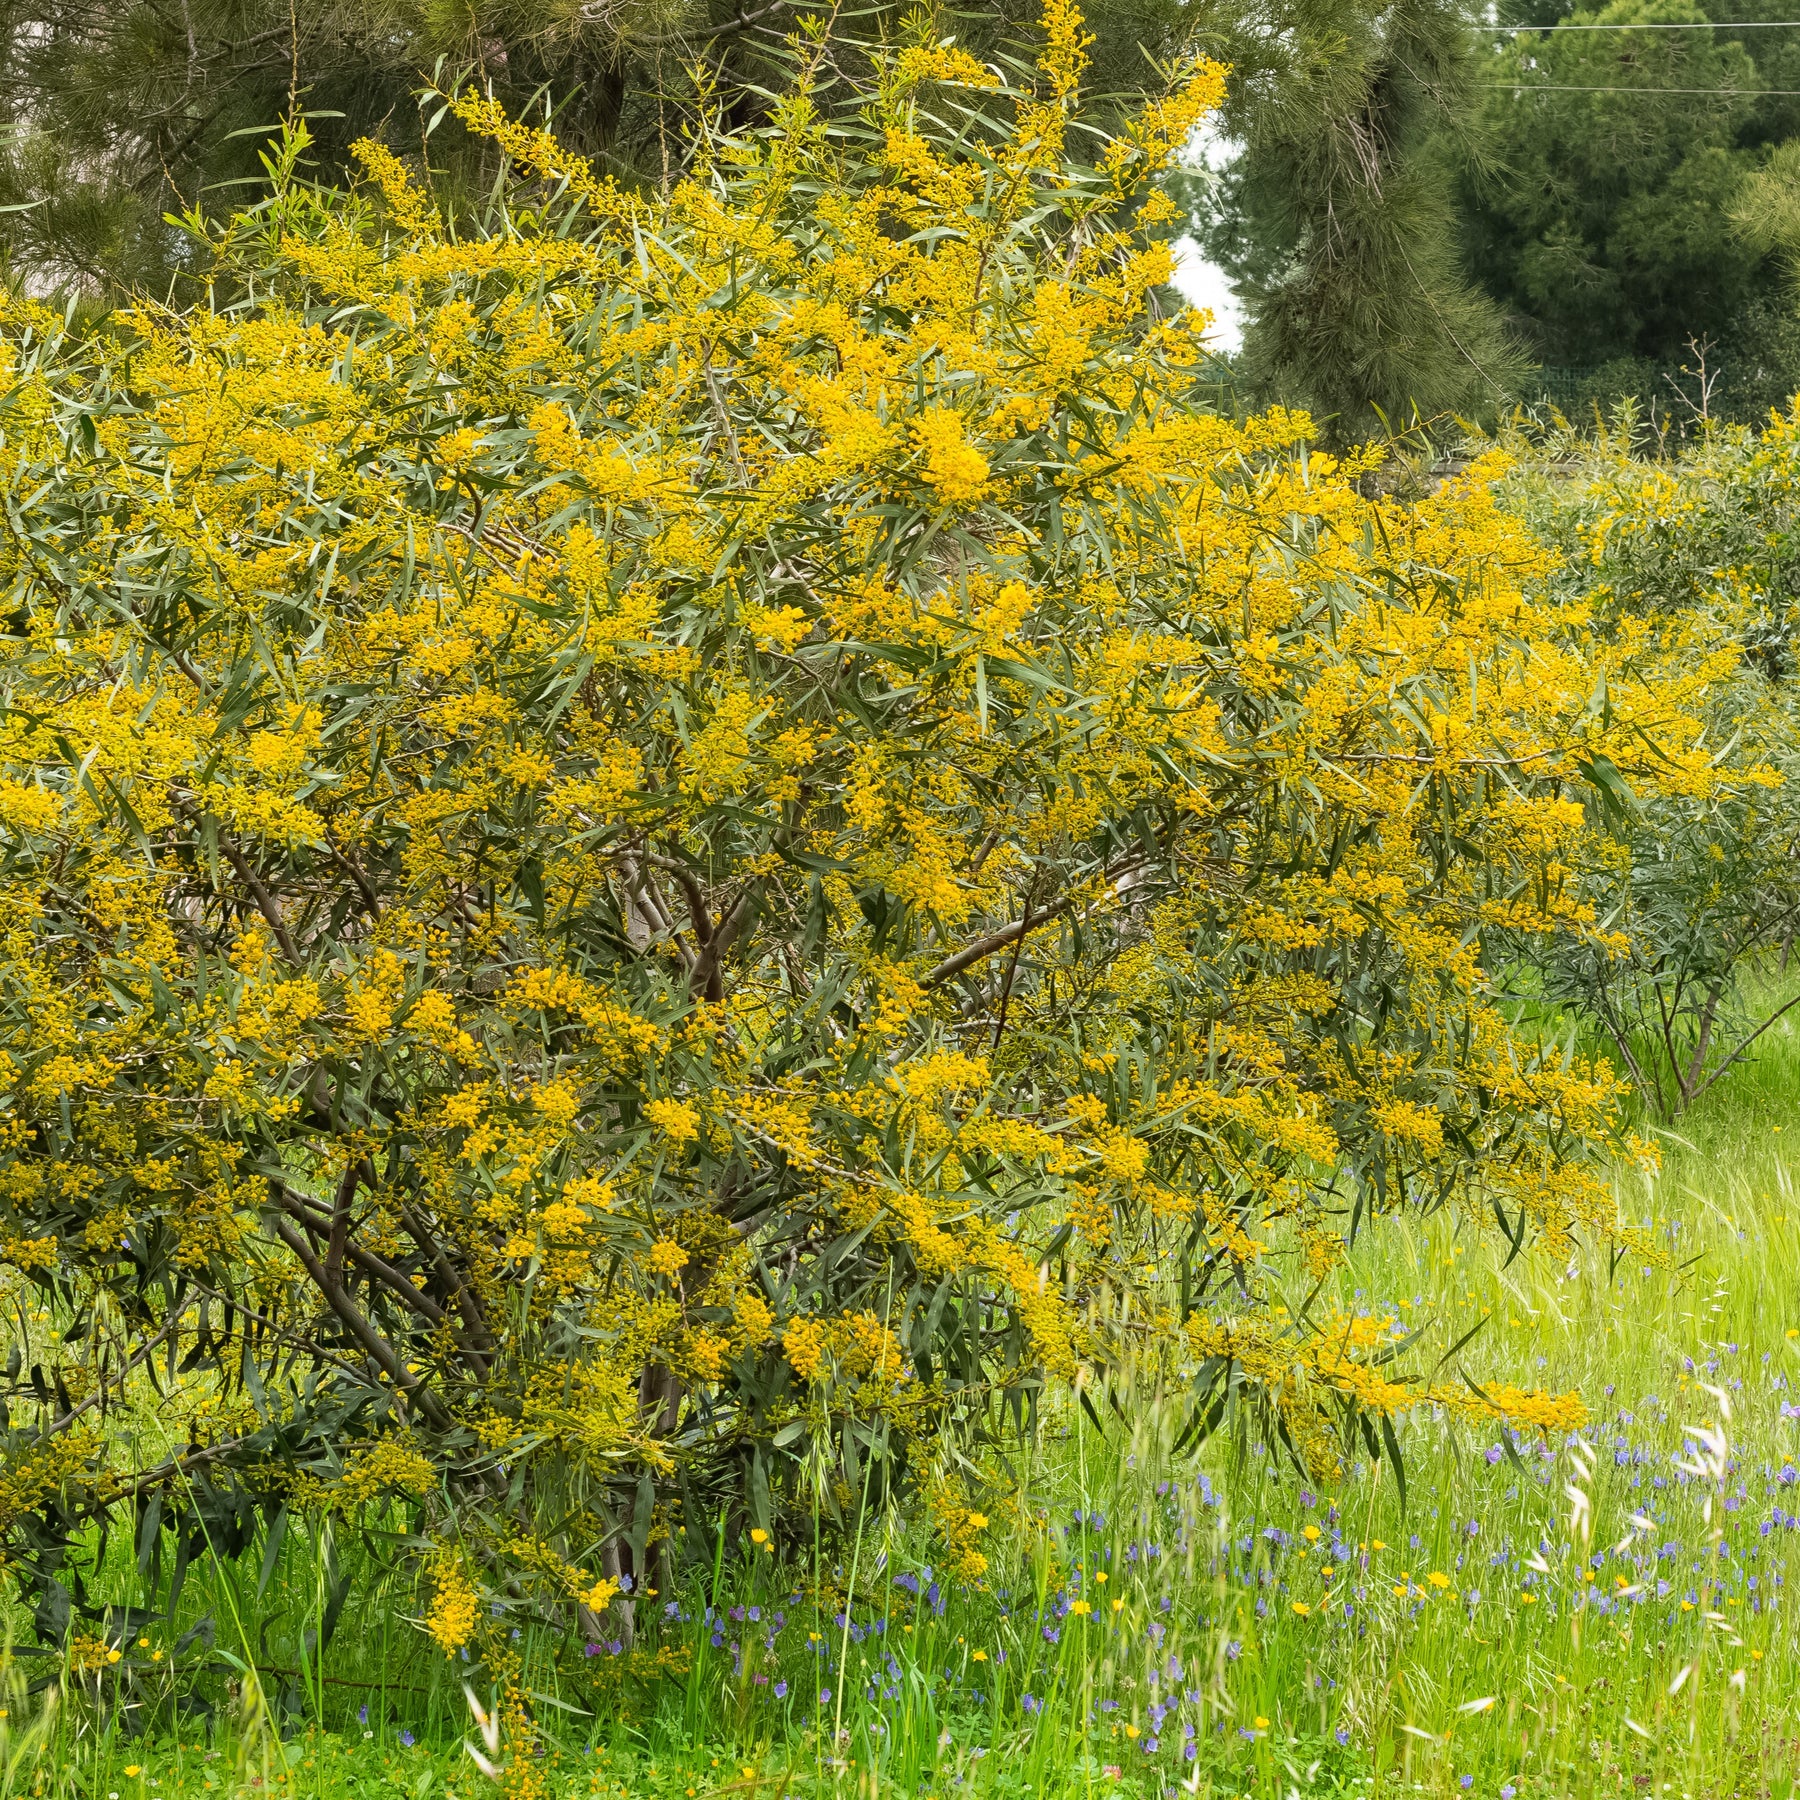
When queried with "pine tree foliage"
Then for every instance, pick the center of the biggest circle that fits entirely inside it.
(1766, 208)
(1601, 213)
(1337, 220)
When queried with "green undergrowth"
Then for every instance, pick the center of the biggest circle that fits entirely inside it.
(1611, 1612)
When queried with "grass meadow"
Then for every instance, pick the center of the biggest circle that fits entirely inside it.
(1613, 1613)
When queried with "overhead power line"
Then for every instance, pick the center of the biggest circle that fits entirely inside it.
(1655, 25)
(1566, 87)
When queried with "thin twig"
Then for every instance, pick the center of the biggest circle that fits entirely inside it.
(1012, 970)
(983, 948)
(141, 1356)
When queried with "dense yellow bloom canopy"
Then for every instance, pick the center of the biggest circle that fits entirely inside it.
(633, 835)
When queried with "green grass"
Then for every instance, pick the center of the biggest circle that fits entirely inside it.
(1548, 1683)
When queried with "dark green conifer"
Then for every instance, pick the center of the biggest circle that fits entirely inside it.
(1336, 216)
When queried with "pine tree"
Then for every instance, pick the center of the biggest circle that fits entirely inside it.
(1336, 219)
(1602, 219)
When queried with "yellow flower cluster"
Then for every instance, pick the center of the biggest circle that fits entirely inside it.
(851, 1348)
(1305, 1372)
(389, 1465)
(953, 466)
(454, 1605)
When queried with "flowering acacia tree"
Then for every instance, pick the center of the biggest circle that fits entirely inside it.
(1706, 886)
(646, 850)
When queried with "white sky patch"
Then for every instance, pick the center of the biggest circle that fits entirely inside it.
(1200, 281)
(1203, 283)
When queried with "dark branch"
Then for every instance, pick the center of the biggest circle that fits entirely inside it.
(266, 903)
(380, 1352)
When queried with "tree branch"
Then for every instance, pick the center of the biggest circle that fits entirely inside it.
(706, 978)
(983, 948)
(266, 903)
(466, 1303)
(378, 1348)
(377, 1267)
(684, 877)
(1744, 1047)
(317, 1351)
(354, 871)
(97, 1397)
(340, 1220)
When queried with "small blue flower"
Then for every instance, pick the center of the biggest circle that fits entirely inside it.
(407, 1738)
(781, 1690)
